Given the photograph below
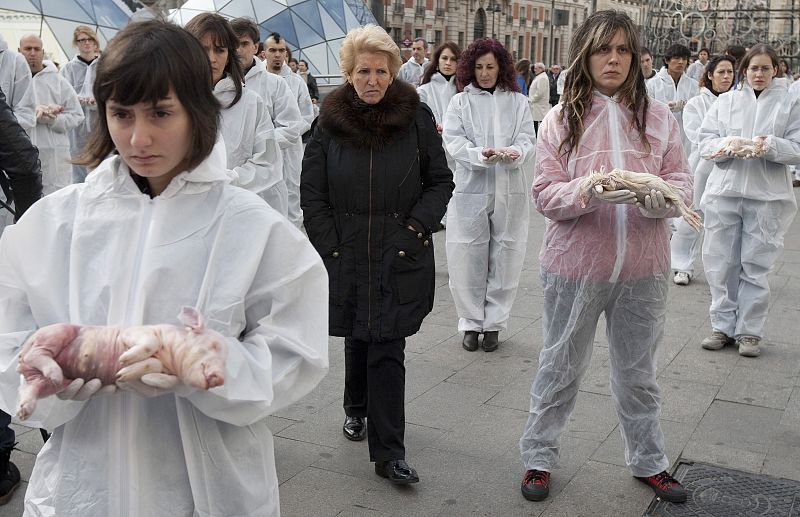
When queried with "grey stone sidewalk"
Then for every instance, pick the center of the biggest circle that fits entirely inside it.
(465, 412)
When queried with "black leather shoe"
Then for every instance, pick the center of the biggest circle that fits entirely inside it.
(470, 342)
(354, 428)
(396, 471)
(491, 340)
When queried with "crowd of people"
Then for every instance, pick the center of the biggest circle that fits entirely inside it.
(199, 167)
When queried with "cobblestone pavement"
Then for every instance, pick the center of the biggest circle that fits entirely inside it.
(465, 412)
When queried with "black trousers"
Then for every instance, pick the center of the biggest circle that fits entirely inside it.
(374, 387)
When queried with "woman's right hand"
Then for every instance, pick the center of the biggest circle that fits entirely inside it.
(619, 197)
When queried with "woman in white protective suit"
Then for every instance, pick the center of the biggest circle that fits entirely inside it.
(488, 130)
(609, 254)
(438, 86)
(717, 78)
(748, 202)
(253, 155)
(80, 73)
(156, 227)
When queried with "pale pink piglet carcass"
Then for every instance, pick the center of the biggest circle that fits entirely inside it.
(55, 355)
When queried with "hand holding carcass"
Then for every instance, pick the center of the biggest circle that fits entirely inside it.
(654, 205)
(677, 105)
(56, 356)
(738, 147)
(47, 113)
(507, 154)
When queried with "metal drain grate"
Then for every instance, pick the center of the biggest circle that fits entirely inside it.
(720, 492)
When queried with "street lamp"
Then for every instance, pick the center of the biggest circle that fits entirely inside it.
(494, 8)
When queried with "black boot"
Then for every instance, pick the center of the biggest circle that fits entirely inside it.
(9, 477)
(470, 342)
(491, 340)
(354, 428)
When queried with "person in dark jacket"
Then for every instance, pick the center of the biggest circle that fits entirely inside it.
(374, 186)
(21, 181)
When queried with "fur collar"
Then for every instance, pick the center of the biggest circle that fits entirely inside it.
(346, 118)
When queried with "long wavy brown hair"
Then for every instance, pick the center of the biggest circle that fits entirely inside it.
(598, 30)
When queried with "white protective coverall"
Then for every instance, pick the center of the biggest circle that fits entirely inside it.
(299, 90)
(683, 246)
(411, 71)
(487, 217)
(436, 94)
(748, 205)
(51, 135)
(252, 153)
(103, 253)
(662, 88)
(539, 96)
(602, 258)
(15, 81)
(81, 77)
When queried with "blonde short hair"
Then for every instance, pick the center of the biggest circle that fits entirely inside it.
(84, 29)
(369, 38)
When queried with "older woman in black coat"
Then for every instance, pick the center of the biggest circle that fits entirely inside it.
(374, 187)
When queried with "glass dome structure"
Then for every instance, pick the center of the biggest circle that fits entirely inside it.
(313, 29)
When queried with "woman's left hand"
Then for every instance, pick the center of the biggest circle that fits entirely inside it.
(655, 206)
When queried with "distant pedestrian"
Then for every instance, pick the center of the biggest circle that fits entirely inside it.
(411, 71)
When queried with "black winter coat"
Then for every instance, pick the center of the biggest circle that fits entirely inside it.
(368, 173)
(20, 169)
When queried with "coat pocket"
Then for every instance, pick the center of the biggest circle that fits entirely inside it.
(413, 269)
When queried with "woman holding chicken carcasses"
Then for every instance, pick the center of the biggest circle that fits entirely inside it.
(605, 257)
(156, 227)
(748, 202)
(488, 130)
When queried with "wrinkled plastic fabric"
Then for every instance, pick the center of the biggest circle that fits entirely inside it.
(81, 77)
(52, 138)
(602, 258)
(294, 154)
(748, 205)
(15, 81)
(487, 217)
(103, 253)
(437, 94)
(252, 152)
(685, 243)
(635, 313)
(662, 88)
(412, 72)
(539, 96)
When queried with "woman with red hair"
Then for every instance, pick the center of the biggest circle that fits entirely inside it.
(489, 132)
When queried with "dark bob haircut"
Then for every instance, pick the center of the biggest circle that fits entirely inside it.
(141, 64)
(223, 36)
(434, 66)
(245, 27)
(507, 75)
(677, 50)
(712, 65)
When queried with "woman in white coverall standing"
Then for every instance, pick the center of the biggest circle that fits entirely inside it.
(489, 132)
(608, 254)
(717, 78)
(154, 228)
(748, 203)
(252, 153)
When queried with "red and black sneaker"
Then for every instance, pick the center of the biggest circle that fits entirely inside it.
(535, 485)
(666, 487)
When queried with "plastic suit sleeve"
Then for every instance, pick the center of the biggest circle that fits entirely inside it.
(786, 149)
(19, 159)
(304, 104)
(289, 123)
(555, 194)
(263, 168)
(675, 168)
(437, 178)
(460, 147)
(318, 217)
(710, 137)
(525, 141)
(283, 355)
(692, 119)
(72, 116)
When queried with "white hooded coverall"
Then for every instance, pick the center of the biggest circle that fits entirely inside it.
(51, 135)
(103, 253)
(683, 246)
(602, 258)
(15, 81)
(662, 88)
(747, 205)
(436, 94)
(487, 217)
(81, 77)
(252, 153)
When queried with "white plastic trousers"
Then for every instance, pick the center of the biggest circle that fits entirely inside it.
(292, 165)
(486, 244)
(684, 246)
(635, 313)
(743, 240)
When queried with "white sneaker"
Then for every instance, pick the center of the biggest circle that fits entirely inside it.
(748, 346)
(682, 278)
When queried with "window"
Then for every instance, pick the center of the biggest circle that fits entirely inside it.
(521, 46)
(556, 57)
(542, 54)
(398, 34)
(461, 39)
(437, 38)
(417, 33)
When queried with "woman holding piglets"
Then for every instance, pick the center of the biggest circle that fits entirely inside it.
(156, 227)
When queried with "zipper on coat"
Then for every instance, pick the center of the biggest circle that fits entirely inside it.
(126, 437)
(369, 250)
(621, 219)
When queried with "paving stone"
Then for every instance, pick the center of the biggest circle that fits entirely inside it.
(791, 416)
(293, 456)
(697, 365)
(676, 435)
(737, 425)
(685, 401)
(429, 335)
(321, 428)
(494, 370)
(757, 387)
(491, 432)
(597, 379)
(783, 457)
(593, 418)
(332, 493)
(446, 405)
(516, 395)
(423, 373)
